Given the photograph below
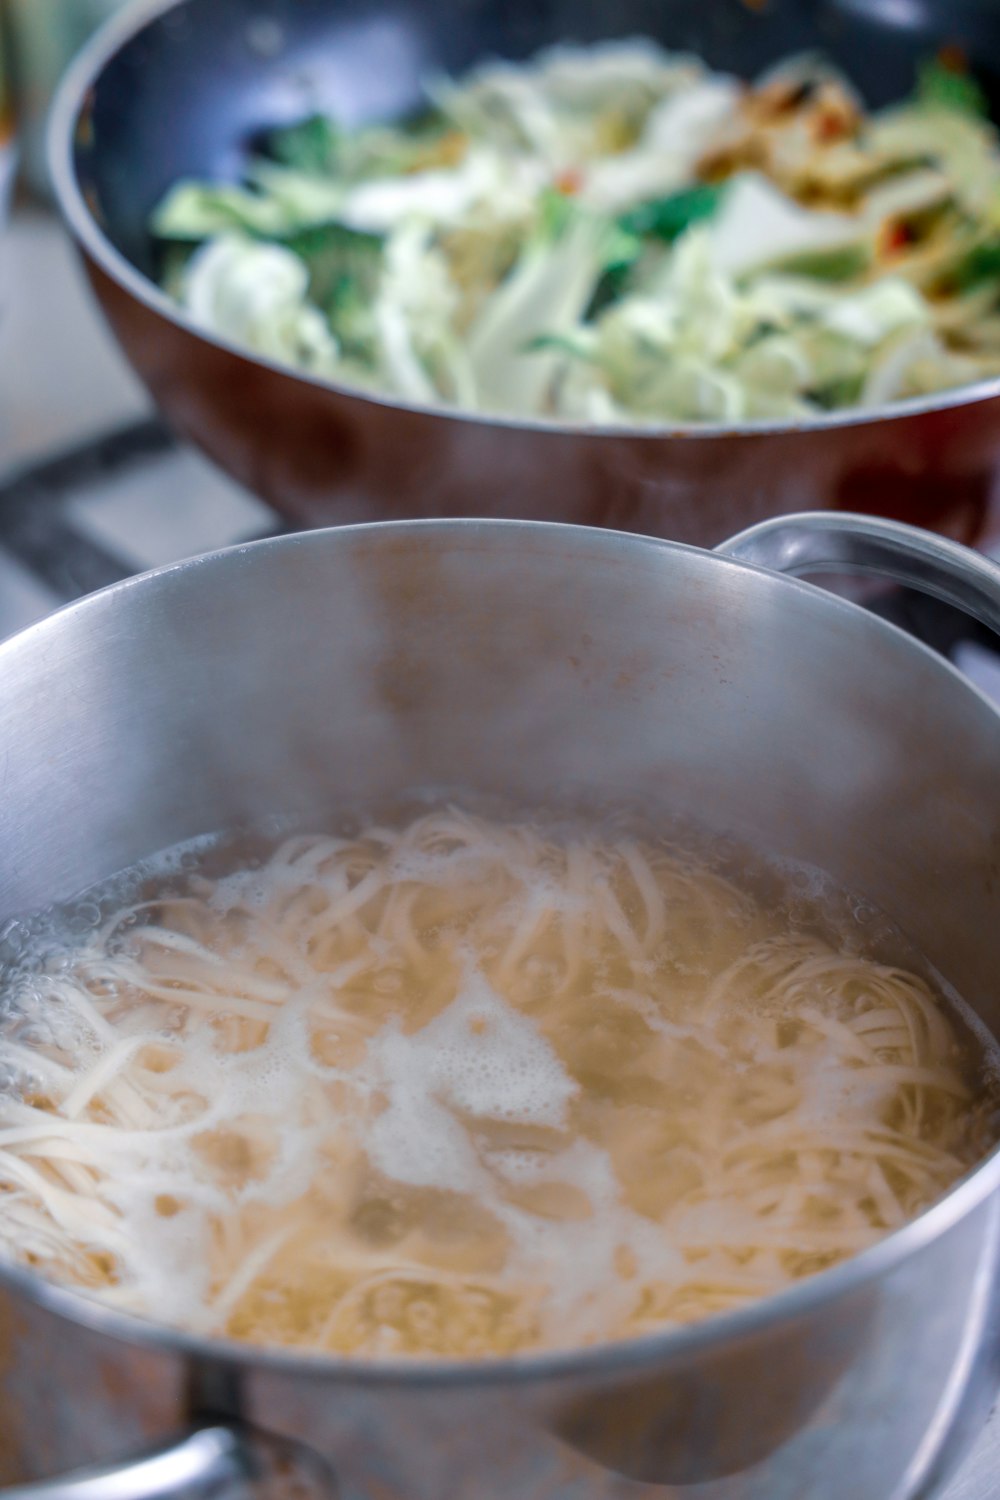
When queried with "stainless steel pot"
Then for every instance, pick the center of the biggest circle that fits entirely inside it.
(177, 88)
(293, 674)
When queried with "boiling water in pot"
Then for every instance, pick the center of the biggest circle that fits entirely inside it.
(463, 1083)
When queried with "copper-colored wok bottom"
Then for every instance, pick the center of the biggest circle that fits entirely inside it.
(321, 456)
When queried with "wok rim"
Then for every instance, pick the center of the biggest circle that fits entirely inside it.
(84, 75)
(663, 1347)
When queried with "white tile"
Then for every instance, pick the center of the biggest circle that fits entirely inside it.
(22, 598)
(62, 377)
(167, 509)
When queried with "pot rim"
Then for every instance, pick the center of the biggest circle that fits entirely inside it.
(85, 72)
(600, 1360)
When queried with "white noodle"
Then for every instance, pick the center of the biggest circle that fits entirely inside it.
(229, 1117)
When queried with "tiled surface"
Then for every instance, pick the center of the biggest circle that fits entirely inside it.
(61, 376)
(62, 381)
(22, 599)
(175, 508)
(170, 508)
(124, 502)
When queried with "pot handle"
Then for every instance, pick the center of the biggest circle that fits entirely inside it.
(840, 542)
(223, 1461)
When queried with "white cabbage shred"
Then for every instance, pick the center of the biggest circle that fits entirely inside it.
(615, 234)
(257, 294)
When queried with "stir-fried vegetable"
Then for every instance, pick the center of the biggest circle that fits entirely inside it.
(616, 234)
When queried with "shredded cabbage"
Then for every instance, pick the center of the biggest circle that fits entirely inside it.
(759, 226)
(549, 287)
(255, 294)
(413, 317)
(615, 234)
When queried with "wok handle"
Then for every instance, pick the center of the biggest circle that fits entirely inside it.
(840, 542)
(219, 1462)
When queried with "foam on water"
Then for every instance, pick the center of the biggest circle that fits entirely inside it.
(479, 1058)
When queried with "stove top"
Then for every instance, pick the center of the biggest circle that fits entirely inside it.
(115, 505)
(135, 498)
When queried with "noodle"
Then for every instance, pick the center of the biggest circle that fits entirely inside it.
(465, 1087)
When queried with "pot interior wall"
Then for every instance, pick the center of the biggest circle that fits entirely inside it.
(298, 676)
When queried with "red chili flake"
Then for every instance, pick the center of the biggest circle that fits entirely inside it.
(894, 237)
(832, 125)
(568, 182)
(953, 58)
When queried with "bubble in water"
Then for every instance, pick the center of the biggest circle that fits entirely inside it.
(83, 919)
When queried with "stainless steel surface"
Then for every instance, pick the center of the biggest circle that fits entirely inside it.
(325, 453)
(203, 1465)
(806, 545)
(527, 658)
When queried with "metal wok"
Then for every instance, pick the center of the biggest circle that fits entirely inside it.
(177, 87)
